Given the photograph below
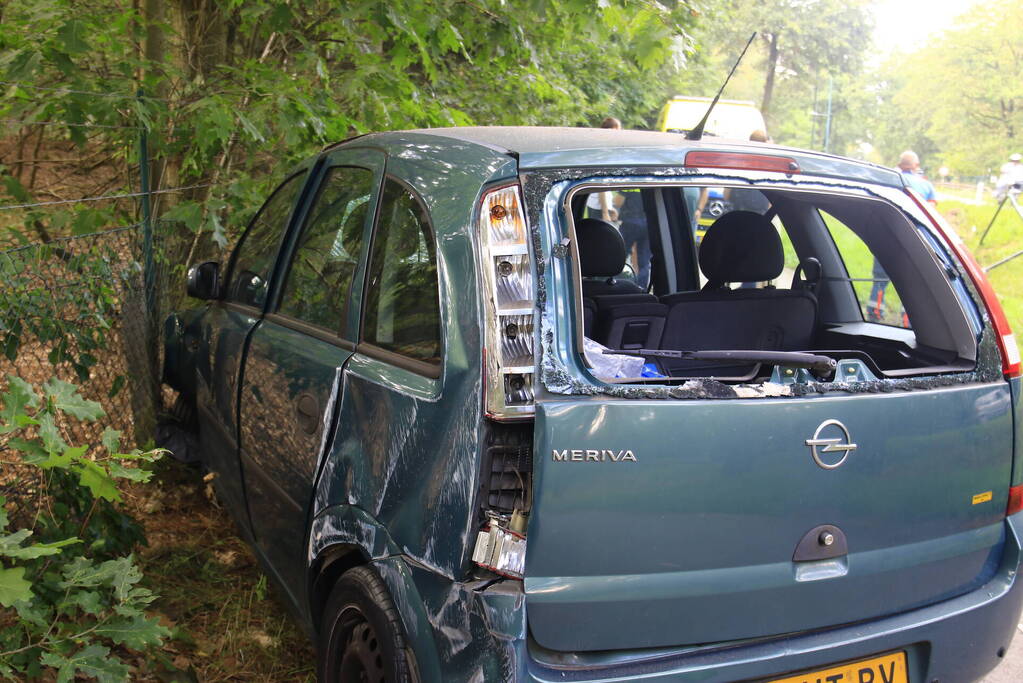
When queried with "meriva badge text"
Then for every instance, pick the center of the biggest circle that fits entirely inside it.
(593, 455)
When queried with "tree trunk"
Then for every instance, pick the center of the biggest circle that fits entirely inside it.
(141, 353)
(772, 67)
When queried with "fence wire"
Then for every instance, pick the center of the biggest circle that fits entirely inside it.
(75, 308)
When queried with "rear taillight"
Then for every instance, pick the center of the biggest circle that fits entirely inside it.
(1011, 366)
(510, 305)
(1015, 500)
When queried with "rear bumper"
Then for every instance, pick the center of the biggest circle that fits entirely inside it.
(955, 641)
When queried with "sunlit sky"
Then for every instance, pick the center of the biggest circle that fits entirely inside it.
(910, 23)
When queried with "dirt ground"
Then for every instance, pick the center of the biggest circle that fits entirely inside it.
(228, 624)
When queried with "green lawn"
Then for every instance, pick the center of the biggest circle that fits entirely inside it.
(859, 262)
(1005, 238)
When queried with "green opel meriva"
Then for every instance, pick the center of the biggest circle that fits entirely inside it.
(488, 410)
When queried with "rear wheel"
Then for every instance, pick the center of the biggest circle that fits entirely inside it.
(361, 636)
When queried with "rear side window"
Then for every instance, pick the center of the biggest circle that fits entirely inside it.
(317, 289)
(878, 299)
(255, 254)
(402, 308)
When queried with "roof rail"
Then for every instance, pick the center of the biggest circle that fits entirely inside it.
(341, 142)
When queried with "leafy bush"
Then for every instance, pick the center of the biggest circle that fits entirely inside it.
(72, 600)
(64, 295)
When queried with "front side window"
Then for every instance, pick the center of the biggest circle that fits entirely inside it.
(254, 256)
(402, 308)
(317, 288)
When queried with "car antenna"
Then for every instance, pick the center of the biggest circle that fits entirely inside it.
(697, 133)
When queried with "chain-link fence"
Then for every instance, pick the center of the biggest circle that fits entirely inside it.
(77, 309)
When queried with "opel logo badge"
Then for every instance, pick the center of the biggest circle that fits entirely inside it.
(834, 438)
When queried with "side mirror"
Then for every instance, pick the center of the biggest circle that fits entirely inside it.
(204, 280)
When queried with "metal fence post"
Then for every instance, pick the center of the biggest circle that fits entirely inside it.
(147, 217)
(144, 353)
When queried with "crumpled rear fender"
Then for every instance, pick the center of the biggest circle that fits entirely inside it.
(457, 630)
(350, 531)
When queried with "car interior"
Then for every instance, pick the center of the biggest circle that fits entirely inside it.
(698, 269)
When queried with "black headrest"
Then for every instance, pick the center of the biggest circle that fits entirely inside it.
(741, 246)
(601, 248)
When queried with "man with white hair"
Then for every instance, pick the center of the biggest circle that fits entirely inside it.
(1011, 177)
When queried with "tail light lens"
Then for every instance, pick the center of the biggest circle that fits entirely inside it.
(510, 305)
(1015, 500)
(1011, 365)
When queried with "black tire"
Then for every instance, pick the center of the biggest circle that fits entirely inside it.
(183, 412)
(178, 431)
(361, 637)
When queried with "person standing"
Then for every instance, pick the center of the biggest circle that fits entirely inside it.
(636, 235)
(625, 209)
(909, 167)
(1011, 175)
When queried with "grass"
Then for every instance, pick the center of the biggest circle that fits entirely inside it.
(859, 262)
(969, 219)
(1004, 239)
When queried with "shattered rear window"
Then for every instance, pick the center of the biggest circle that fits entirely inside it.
(795, 291)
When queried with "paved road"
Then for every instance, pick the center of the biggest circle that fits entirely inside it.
(1010, 670)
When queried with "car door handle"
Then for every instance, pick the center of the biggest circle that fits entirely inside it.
(307, 411)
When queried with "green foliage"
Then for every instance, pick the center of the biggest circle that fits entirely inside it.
(801, 44)
(72, 600)
(959, 100)
(49, 43)
(243, 90)
(72, 320)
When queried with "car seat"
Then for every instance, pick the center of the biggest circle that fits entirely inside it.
(617, 312)
(741, 246)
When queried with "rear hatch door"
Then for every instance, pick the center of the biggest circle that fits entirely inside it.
(662, 523)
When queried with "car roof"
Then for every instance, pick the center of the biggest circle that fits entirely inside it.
(534, 139)
(537, 147)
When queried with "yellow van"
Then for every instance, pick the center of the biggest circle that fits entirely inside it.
(730, 118)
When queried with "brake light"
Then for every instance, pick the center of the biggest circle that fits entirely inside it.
(1011, 366)
(743, 161)
(1015, 500)
(510, 305)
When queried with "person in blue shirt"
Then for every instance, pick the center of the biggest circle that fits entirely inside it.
(909, 167)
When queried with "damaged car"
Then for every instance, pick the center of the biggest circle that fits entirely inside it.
(487, 409)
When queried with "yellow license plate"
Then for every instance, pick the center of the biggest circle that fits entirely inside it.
(885, 669)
